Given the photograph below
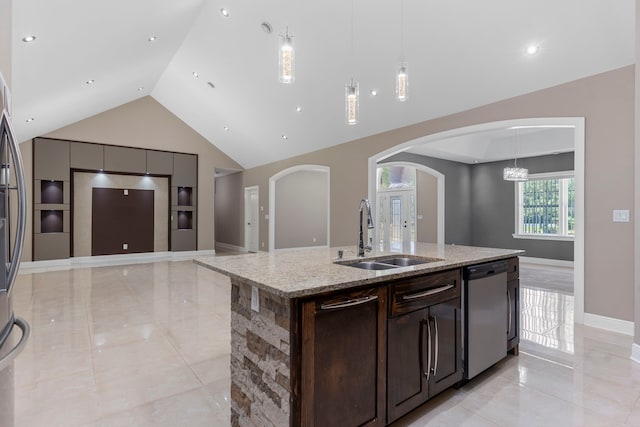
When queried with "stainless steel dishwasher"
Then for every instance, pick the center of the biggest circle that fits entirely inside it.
(485, 316)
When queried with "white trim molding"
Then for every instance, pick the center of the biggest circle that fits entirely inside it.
(608, 323)
(109, 260)
(635, 352)
(543, 237)
(301, 248)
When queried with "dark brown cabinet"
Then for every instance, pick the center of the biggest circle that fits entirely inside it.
(342, 359)
(513, 298)
(424, 340)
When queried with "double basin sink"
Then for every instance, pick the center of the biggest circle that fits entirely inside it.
(387, 263)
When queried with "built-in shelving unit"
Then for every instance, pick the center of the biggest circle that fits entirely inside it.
(51, 221)
(185, 220)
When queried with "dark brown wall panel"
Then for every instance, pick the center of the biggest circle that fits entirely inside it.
(119, 219)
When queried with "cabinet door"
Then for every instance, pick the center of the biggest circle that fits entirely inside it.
(513, 296)
(407, 363)
(446, 352)
(343, 369)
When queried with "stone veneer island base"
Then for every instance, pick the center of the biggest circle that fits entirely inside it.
(315, 351)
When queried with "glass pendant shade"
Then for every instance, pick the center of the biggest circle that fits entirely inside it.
(516, 174)
(351, 102)
(402, 83)
(286, 58)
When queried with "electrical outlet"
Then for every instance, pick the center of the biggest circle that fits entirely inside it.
(255, 299)
(621, 215)
(313, 240)
(125, 246)
(263, 244)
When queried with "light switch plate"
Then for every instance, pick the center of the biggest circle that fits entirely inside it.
(255, 299)
(126, 192)
(621, 215)
(125, 246)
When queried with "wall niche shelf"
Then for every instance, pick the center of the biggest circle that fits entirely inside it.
(51, 192)
(185, 196)
(51, 221)
(185, 220)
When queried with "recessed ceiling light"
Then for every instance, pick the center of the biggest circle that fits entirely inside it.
(532, 49)
(224, 12)
(152, 38)
(29, 39)
(195, 74)
(226, 129)
(299, 109)
(90, 82)
(374, 92)
(211, 85)
(285, 137)
(141, 88)
(266, 27)
(30, 119)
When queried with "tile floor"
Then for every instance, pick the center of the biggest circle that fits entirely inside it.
(148, 345)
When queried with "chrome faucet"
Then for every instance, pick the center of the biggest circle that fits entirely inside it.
(364, 204)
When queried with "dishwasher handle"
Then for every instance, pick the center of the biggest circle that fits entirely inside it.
(485, 270)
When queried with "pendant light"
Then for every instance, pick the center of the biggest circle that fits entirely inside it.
(402, 77)
(286, 58)
(351, 89)
(352, 100)
(515, 173)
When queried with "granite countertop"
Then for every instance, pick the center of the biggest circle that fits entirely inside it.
(305, 272)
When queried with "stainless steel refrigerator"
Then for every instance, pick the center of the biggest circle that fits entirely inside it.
(13, 219)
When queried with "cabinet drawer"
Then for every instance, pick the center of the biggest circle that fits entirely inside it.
(513, 268)
(423, 291)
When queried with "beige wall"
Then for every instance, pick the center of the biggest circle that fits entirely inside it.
(301, 214)
(83, 185)
(605, 100)
(144, 123)
(427, 206)
(229, 218)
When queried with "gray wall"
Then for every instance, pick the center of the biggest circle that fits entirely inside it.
(493, 207)
(301, 210)
(229, 203)
(480, 205)
(457, 194)
(427, 206)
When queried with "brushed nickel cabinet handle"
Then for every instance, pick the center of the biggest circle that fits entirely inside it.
(427, 293)
(509, 305)
(435, 363)
(348, 303)
(428, 372)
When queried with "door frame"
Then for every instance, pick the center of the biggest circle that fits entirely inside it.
(247, 217)
(578, 124)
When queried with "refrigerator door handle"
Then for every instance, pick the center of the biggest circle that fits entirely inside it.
(7, 129)
(15, 351)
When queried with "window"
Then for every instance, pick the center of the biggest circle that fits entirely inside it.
(545, 207)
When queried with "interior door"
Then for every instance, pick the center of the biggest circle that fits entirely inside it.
(397, 217)
(251, 219)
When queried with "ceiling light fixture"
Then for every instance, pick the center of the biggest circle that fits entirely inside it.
(285, 137)
(402, 78)
(196, 75)
(351, 89)
(299, 109)
(141, 88)
(266, 27)
(226, 129)
(374, 92)
(211, 85)
(29, 39)
(224, 12)
(152, 38)
(286, 58)
(532, 49)
(515, 173)
(30, 119)
(90, 82)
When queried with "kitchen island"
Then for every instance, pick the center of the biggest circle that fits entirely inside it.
(316, 341)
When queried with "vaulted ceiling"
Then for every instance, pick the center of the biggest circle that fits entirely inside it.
(460, 55)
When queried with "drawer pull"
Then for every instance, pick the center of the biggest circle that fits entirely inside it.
(348, 303)
(427, 293)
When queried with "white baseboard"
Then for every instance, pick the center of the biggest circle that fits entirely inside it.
(107, 260)
(301, 248)
(609, 323)
(546, 261)
(229, 247)
(635, 352)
